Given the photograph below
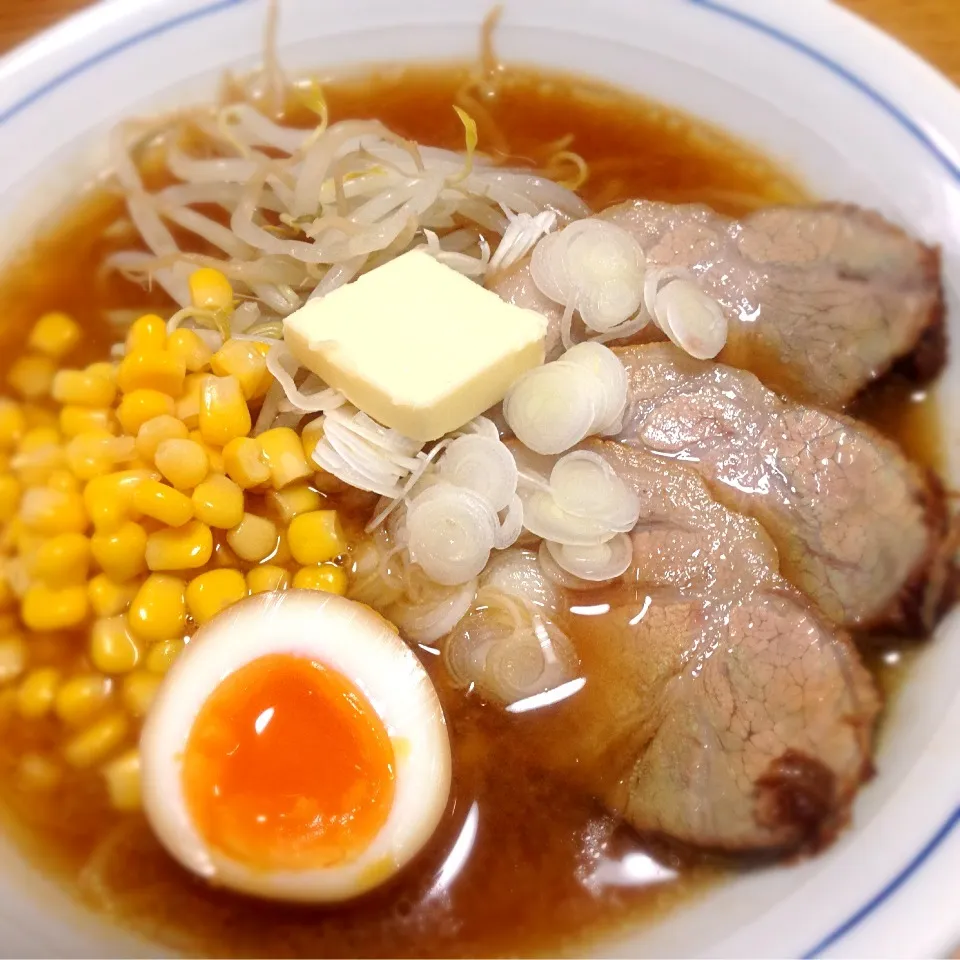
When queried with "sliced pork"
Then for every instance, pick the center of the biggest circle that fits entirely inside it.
(821, 300)
(743, 726)
(856, 525)
(724, 712)
(717, 709)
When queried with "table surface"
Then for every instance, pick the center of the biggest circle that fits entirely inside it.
(930, 27)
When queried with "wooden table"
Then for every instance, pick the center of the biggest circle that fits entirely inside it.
(931, 27)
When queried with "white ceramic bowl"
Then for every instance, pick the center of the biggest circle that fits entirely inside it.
(859, 117)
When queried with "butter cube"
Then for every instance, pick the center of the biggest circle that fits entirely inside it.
(416, 345)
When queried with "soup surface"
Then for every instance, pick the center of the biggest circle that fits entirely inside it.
(520, 863)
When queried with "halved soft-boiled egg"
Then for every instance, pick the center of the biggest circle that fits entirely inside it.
(296, 751)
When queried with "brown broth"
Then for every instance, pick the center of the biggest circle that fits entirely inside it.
(521, 887)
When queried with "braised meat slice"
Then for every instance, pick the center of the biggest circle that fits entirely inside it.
(742, 725)
(821, 300)
(856, 525)
(684, 538)
(717, 707)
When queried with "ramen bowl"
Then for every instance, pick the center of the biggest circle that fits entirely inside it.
(850, 112)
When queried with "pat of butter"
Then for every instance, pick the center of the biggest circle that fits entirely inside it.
(416, 345)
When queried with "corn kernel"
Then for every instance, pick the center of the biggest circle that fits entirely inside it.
(183, 462)
(210, 290)
(105, 369)
(31, 375)
(121, 552)
(223, 556)
(218, 502)
(283, 557)
(13, 424)
(38, 773)
(155, 499)
(215, 459)
(293, 500)
(253, 538)
(37, 415)
(161, 656)
(188, 406)
(14, 582)
(243, 360)
(139, 406)
(62, 479)
(214, 591)
(96, 742)
(316, 536)
(39, 438)
(54, 334)
(266, 578)
(223, 411)
(158, 610)
(139, 689)
(152, 433)
(109, 499)
(75, 420)
(81, 698)
(327, 577)
(13, 657)
(122, 777)
(62, 560)
(189, 345)
(28, 543)
(244, 462)
(9, 497)
(53, 511)
(153, 370)
(182, 548)
(147, 334)
(83, 388)
(283, 451)
(113, 647)
(91, 455)
(37, 691)
(107, 597)
(45, 608)
(266, 380)
(214, 454)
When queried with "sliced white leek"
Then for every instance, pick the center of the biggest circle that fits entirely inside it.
(431, 619)
(544, 518)
(605, 561)
(483, 465)
(553, 407)
(593, 266)
(694, 322)
(450, 532)
(584, 485)
(612, 376)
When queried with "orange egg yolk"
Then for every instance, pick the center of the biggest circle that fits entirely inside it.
(288, 766)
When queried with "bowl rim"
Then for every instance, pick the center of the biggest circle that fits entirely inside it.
(922, 101)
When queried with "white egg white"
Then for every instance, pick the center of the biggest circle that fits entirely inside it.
(351, 639)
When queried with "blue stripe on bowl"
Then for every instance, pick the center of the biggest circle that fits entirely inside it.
(164, 26)
(838, 70)
(889, 890)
